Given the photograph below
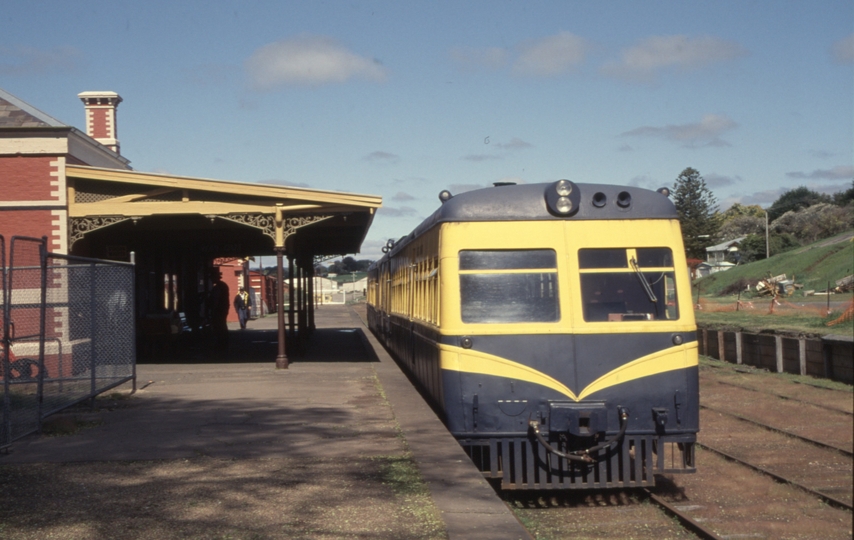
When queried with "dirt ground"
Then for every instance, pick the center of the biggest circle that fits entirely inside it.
(211, 498)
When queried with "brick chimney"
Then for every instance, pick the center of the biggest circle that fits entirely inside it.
(101, 117)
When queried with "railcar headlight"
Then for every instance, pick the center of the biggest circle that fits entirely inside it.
(564, 205)
(563, 198)
(563, 188)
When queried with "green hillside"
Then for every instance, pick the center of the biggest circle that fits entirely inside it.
(812, 266)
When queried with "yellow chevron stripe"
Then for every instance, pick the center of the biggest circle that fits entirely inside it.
(652, 364)
(468, 361)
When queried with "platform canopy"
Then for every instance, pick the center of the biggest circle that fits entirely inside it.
(229, 218)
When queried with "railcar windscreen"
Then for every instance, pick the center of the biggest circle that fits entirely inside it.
(503, 286)
(628, 284)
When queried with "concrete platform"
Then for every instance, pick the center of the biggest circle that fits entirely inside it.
(236, 405)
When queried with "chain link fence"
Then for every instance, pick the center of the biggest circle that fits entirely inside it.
(68, 333)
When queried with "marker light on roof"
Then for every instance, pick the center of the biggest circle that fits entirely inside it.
(563, 198)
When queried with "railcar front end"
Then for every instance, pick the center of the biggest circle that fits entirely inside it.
(560, 346)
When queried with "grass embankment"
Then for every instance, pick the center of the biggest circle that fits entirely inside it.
(812, 266)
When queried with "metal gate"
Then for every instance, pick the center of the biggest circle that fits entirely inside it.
(68, 332)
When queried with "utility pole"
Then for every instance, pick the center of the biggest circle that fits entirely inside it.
(767, 243)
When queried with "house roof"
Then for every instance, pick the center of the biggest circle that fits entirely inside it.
(17, 113)
(726, 245)
(25, 129)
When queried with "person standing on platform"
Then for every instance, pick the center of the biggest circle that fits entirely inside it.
(242, 303)
(218, 306)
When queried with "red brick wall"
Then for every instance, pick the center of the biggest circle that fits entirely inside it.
(31, 179)
(26, 178)
(231, 272)
(33, 223)
(99, 123)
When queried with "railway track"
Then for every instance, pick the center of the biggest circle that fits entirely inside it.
(833, 501)
(774, 460)
(683, 517)
(639, 514)
(790, 398)
(843, 451)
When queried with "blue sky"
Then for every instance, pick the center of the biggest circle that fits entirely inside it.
(405, 99)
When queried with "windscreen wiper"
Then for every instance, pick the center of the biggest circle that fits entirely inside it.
(646, 286)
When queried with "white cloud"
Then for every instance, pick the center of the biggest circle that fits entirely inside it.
(551, 55)
(23, 60)
(843, 50)
(372, 249)
(763, 198)
(830, 189)
(840, 172)
(308, 61)
(401, 196)
(706, 132)
(652, 55)
(473, 58)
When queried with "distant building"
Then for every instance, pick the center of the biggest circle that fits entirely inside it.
(263, 289)
(235, 274)
(716, 257)
(355, 286)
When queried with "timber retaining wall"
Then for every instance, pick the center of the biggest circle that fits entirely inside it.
(830, 357)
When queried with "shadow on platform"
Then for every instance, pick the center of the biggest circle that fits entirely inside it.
(330, 345)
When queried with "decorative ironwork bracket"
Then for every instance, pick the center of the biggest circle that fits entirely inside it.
(267, 223)
(78, 227)
(291, 224)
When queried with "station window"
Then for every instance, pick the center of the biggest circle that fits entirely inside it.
(628, 284)
(501, 286)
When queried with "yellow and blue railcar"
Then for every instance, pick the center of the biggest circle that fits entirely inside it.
(551, 326)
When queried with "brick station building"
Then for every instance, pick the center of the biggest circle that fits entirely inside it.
(77, 189)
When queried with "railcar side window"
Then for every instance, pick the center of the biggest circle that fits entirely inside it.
(498, 286)
(628, 284)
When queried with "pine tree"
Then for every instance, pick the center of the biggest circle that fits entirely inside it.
(698, 213)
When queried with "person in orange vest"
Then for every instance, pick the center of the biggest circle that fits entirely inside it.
(242, 303)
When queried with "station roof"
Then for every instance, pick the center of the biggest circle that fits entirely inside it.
(329, 222)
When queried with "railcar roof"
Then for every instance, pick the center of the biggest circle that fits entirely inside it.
(527, 202)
